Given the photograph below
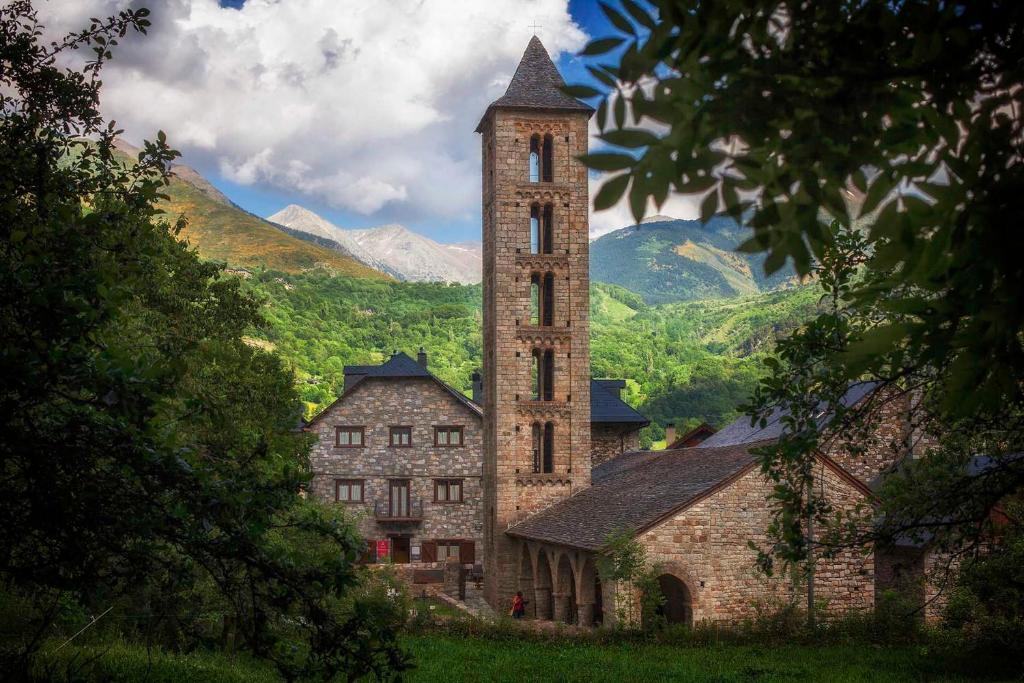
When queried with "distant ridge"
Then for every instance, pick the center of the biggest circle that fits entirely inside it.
(392, 249)
(665, 259)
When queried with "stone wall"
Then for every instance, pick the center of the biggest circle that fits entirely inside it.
(885, 443)
(610, 440)
(377, 404)
(705, 546)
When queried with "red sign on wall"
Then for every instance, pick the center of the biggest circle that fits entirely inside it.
(383, 549)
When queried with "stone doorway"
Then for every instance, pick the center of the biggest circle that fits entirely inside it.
(678, 605)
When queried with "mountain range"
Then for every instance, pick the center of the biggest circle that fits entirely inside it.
(662, 259)
(665, 259)
(391, 249)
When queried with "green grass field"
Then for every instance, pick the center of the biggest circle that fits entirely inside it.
(441, 658)
(452, 658)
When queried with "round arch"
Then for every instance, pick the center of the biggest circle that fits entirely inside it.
(565, 590)
(678, 605)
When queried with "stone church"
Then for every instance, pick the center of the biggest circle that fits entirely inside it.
(529, 479)
(694, 510)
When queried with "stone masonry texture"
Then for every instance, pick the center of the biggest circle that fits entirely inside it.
(706, 547)
(377, 404)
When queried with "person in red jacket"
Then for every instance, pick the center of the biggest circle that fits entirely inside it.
(518, 606)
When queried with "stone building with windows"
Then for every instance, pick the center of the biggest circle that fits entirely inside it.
(402, 451)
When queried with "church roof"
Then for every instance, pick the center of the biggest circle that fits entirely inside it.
(606, 406)
(638, 497)
(646, 489)
(740, 431)
(536, 85)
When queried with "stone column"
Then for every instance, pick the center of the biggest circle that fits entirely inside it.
(561, 607)
(542, 602)
(585, 612)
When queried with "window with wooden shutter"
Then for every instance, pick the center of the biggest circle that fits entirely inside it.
(467, 552)
(428, 551)
(446, 549)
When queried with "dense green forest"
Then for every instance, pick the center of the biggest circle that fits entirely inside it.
(685, 362)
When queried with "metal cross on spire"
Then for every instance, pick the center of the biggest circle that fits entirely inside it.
(534, 26)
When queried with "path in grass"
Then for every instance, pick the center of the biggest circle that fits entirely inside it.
(445, 658)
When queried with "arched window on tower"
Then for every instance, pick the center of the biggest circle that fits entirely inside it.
(547, 304)
(548, 448)
(535, 299)
(535, 233)
(542, 375)
(535, 159)
(547, 163)
(536, 375)
(547, 240)
(538, 442)
(548, 379)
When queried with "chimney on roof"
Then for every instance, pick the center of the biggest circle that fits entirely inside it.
(478, 387)
(670, 434)
(421, 357)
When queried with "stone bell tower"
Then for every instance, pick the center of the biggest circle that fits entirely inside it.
(536, 308)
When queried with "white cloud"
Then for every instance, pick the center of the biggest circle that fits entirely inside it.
(365, 106)
(619, 216)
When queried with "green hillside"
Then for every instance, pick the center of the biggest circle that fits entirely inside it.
(686, 362)
(677, 260)
(222, 231)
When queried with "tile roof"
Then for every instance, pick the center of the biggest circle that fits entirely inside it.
(613, 467)
(740, 431)
(399, 365)
(536, 85)
(638, 497)
(606, 406)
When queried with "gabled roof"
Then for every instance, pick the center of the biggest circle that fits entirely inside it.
(741, 431)
(399, 366)
(536, 85)
(647, 491)
(607, 407)
(638, 497)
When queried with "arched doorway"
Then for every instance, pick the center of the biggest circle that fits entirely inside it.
(678, 605)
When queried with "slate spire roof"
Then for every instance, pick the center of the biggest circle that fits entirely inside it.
(536, 85)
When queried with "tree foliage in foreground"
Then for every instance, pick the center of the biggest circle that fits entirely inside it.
(144, 448)
(907, 113)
